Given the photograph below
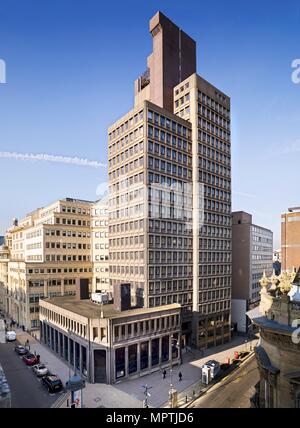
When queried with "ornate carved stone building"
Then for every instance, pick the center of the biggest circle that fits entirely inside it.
(278, 352)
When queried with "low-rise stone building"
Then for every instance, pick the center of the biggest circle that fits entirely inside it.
(106, 345)
(278, 353)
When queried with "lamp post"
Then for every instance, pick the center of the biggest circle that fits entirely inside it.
(171, 368)
(147, 395)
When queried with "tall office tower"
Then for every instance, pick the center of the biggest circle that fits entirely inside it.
(290, 239)
(208, 110)
(170, 190)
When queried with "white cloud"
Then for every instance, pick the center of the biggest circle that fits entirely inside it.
(52, 158)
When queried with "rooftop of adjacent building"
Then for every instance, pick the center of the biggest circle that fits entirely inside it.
(242, 217)
(88, 309)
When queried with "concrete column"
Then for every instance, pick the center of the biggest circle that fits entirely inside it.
(170, 347)
(47, 335)
(80, 358)
(126, 361)
(69, 353)
(58, 343)
(51, 337)
(150, 354)
(138, 357)
(160, 350)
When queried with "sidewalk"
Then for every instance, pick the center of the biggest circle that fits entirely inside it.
(94, 395)
(129, 393)
(190, 369)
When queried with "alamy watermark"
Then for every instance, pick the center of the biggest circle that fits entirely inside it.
(296, 73)
(296, 332)
(2, 71)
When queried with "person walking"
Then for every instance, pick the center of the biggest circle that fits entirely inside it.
(164, 373)
(180, 376)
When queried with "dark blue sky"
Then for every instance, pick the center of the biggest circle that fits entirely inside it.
(71, 65)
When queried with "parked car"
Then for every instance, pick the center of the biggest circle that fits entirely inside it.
(11, 336)
(40, 370)
(52, 383)
(30, 359)
(20, 350)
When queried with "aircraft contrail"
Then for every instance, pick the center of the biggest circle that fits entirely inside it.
(52, 158)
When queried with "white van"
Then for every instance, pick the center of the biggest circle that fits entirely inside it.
(11, 336)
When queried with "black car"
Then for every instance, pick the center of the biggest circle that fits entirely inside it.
(20, 350)
(52, 383)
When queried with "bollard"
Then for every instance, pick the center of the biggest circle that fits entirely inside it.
(186, 398)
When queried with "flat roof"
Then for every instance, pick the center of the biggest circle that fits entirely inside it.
(88, 309)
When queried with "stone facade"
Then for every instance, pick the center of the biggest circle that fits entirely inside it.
(105, 345)
(278, 353)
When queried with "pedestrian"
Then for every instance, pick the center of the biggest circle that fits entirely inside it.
(180, 376)
(164, 373)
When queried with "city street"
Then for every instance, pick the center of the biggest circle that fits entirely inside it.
(234, 391)
(27, 390)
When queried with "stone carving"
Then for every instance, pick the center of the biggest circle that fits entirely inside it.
(286, 279)
(264, 281)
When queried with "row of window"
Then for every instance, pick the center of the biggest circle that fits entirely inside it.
(68, 233)
(67, 258)
(170, 271)
(224, 269)
(170, 168)
(213, 129)
(125, 169)
(132, 121)
(52, 282)
(73, 222)
(127, 139)
(220, 294)
(67, 245)
(168, 124)
(214, 167)
(166, 138)
(126, 183)
(211, 103)
(140, 328)
(218, 281)
(75, 210)
(211, 308)
(42, 271)
(128, 226)
(170, 286)
(213, 154)
(162, 226)
(126, 154)
(170, 257)
(169, 153)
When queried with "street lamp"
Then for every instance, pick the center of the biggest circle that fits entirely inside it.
(171, 368)
(146, 394)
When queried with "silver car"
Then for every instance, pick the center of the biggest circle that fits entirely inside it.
(40, 370)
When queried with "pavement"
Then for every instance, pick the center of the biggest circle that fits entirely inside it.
(234, 391)
(130, 393)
